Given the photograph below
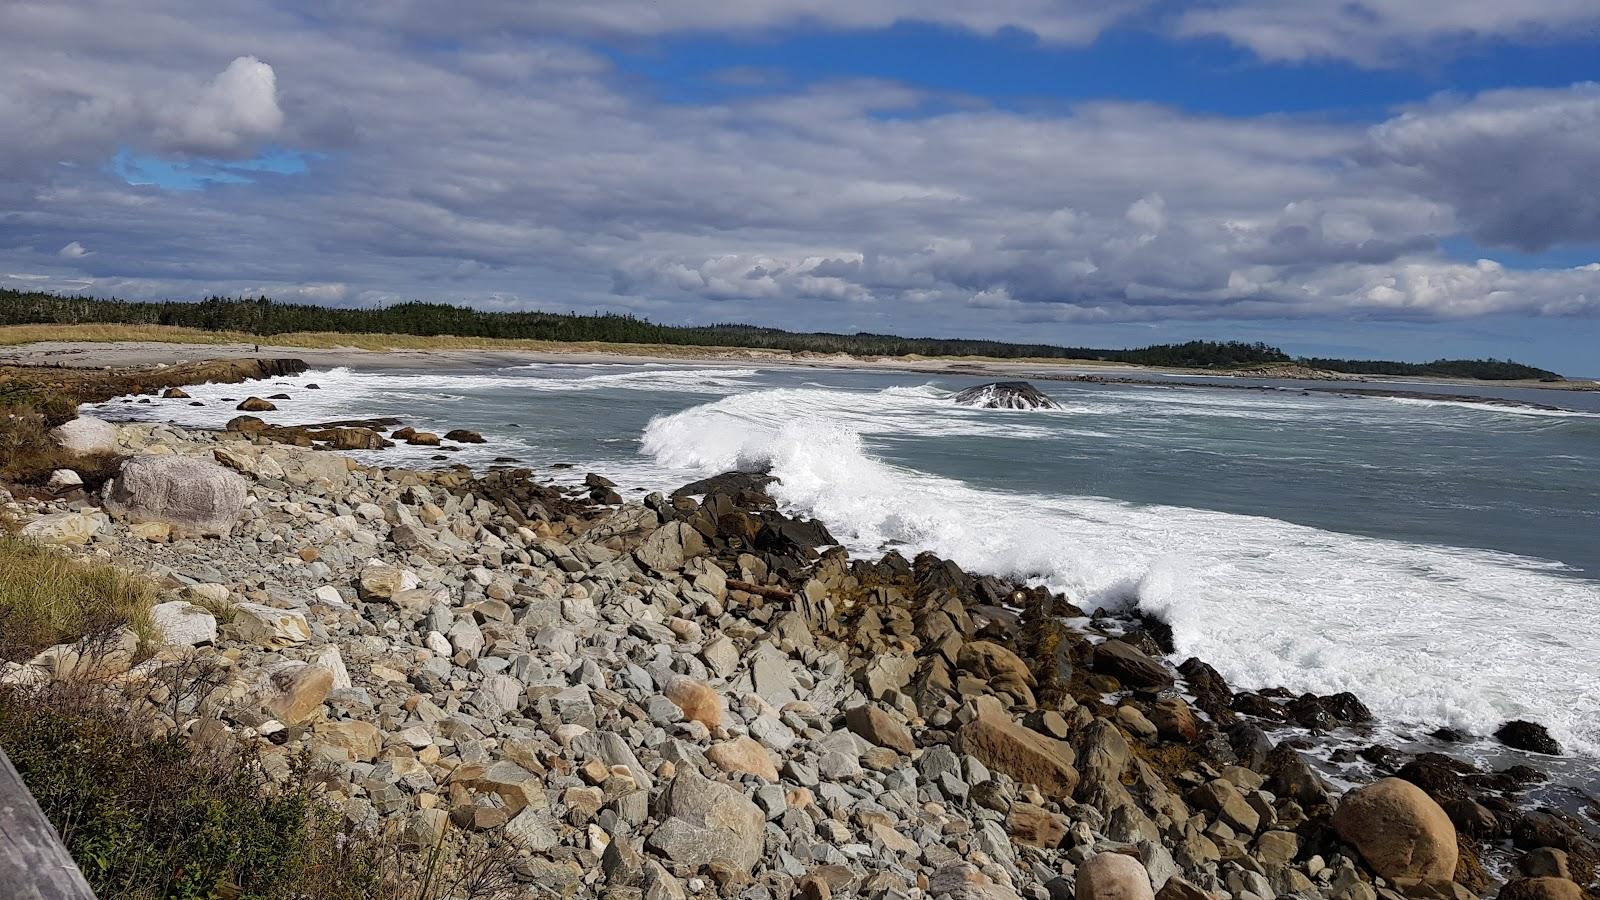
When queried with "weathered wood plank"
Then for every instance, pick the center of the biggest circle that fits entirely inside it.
(33, 863)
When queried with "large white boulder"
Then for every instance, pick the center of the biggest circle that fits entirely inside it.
(193, 495)
(183, 624)
(85, 435)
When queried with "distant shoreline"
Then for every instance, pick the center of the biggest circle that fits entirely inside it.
(86, 354)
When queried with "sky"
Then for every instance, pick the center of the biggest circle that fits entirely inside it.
(1379, 178)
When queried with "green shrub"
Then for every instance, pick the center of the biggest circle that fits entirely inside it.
(148, 814)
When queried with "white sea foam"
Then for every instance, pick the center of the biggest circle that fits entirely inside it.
(1424, 634)
(1497, 408)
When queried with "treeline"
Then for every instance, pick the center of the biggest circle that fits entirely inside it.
(264, 316)
(1486, 369)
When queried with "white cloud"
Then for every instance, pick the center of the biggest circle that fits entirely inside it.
(1380, 33)
(73, 250)
(233, 113)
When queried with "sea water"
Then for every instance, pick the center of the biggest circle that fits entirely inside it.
(1439, 559)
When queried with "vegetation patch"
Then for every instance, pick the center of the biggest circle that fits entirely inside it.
(47, 598)
(147, 814)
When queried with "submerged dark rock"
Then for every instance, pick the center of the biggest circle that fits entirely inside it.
(1530, 736)
(1006, 395)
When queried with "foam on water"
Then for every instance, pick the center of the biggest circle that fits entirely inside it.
(1496, 408)
(1424, 634)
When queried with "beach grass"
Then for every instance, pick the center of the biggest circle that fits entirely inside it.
(47, 597)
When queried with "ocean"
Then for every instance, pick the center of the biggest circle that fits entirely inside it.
(1439, 559)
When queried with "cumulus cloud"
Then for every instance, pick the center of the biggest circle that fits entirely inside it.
(73, 250)
(232, 113)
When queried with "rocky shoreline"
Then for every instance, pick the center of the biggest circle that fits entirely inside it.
(700, 696)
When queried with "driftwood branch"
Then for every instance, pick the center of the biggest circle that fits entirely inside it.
(33, 863)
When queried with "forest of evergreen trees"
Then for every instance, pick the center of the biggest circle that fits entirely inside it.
(265, 317)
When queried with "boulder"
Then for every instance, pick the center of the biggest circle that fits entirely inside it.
(1113, 876)
(182, 624)
(268, 626)
(255, 404)
(880, 727)
(294, 692)
(173, 393)
(195, 496)
(743, 756)
(86, 435)
(463, 436)
(1529, 736)
(1542, 888)
(246, 424)
(423, 439)
(703, 820)
(65, 529)
(1129, 665)
(1005, 395)
(360, 741)
(382, 581)
(64, 480)
(669, 547)
(1036, 826)
(1005, 671)
(999, 742)
(696, 700)
(1401, 832)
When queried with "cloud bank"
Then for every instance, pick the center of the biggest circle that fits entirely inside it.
(503, 169)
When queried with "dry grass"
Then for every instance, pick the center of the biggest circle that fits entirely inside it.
(12, 335)
(47, 597)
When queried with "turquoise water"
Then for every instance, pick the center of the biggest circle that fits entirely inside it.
(1440, 560)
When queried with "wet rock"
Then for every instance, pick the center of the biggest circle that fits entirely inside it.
(1005, 395)
(731, 484)
(255, 404)
(246, 424)
(463, 436)
(1543, 888)
(173, 393)
(1130, 665)
(1529, 736)
(422, 439)
(1399, 830)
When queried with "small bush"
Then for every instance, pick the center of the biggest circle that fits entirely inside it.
(47, 597)
(148, 814)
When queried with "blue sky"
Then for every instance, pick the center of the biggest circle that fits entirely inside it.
(1379, 178)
